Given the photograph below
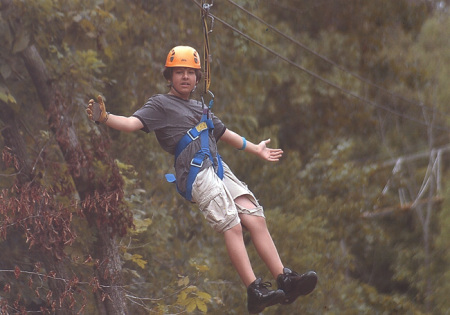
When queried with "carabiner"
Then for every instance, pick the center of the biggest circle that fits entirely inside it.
(211, 102)
(206, 7)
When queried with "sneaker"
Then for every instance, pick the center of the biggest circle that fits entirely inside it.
(259, 297)
(295, 285)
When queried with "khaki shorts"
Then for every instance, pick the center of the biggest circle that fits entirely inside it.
(215, 198)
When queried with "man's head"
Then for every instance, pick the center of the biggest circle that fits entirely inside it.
(182, 57)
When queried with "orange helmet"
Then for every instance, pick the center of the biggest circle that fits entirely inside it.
(183, 56)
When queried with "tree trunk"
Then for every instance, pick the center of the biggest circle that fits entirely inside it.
(112, 272)
(114, 300)
(14, 140)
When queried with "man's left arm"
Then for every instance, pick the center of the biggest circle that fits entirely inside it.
(235, 140)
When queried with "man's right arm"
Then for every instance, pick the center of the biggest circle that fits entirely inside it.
(97, 112)
(122, 123)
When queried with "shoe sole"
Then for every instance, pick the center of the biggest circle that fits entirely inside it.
(278, 300)
(304, 287)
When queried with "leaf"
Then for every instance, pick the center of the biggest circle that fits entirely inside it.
(77, 18)
(5, 70)
(205, 296)
(201, 305)
(183, 281)
(192, 305)
(141, 225)
(202, 268)
(6, 96)
(17, 272)
(181, 298)
(7, 288)
(108, 52)
(21, 42)
(139, 261)
(109, 5)
(136, 258)
(87, 25)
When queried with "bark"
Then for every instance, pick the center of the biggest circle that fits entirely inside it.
(14, 140)
(4, 4)
(57, 115)
(113, 301)
(112, 273)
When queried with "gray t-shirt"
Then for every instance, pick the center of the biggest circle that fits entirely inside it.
(170, 117)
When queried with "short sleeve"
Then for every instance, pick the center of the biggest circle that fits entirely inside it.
(152, 114)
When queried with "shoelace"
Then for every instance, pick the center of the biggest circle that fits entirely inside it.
(265, 285)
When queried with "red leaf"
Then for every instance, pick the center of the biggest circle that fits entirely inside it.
(89, 259)
(17, 272)
(49, 295)
(7, 288)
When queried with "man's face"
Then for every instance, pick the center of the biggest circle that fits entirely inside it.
(183, 81)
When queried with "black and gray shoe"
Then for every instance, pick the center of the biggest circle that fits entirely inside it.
(295, 285)
(259, 296)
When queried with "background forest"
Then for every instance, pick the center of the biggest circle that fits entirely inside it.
(355, 92)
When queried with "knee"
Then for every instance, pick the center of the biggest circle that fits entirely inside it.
(254, 224)
(237, 229)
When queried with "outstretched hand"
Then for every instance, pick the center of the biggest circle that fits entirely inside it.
(97, 111)
(268, 154)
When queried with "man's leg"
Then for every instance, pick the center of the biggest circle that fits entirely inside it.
(234, 242)
(258, 295)
(261, 237)
(292, 283)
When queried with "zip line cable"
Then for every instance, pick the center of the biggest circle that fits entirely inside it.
(328, 60)
(320, 78)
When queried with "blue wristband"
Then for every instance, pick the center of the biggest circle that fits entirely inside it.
(244, 143)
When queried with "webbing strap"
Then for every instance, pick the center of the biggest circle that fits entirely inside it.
(200, 130)
(193, 133)
(206, 53)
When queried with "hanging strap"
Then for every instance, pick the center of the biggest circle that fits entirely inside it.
(206, 51)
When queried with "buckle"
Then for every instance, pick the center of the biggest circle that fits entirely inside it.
(194, 163)
(192, 136)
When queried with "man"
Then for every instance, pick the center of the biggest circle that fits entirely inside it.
(186, 129)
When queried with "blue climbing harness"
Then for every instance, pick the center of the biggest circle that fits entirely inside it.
(201, 130)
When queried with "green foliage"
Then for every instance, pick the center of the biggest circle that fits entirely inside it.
(441, 254)
(191, 299)
(6, 96)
